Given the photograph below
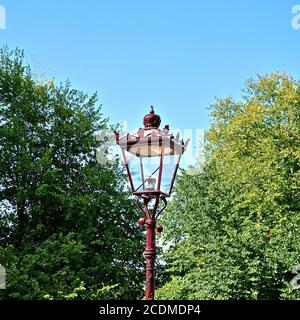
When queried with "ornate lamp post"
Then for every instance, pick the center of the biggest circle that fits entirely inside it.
(151, 158)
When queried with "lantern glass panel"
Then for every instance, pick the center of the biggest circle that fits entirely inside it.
(144, 159)
(151, 166)
(170, 164)
(135, 169)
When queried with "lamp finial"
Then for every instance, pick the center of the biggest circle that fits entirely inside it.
(152, 120)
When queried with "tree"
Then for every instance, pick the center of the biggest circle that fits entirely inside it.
(236, 224)
(67, 224)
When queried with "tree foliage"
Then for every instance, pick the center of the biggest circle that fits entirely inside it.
(235, 226)
(67, 225)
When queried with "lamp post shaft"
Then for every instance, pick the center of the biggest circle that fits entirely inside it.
(150, 255)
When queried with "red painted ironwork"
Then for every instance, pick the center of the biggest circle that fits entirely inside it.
(146, 143)
(149, 220)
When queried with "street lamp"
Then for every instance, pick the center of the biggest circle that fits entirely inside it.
(151, 157)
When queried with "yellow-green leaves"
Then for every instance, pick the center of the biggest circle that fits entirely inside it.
(244, 208)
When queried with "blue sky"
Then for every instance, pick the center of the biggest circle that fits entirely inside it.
(176, 55)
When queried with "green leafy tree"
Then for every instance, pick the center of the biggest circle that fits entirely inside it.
(235, 227)
(67, 224)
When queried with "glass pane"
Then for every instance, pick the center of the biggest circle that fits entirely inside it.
(144, 172)
(134, 168)
(150, 172)
(169, 166)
